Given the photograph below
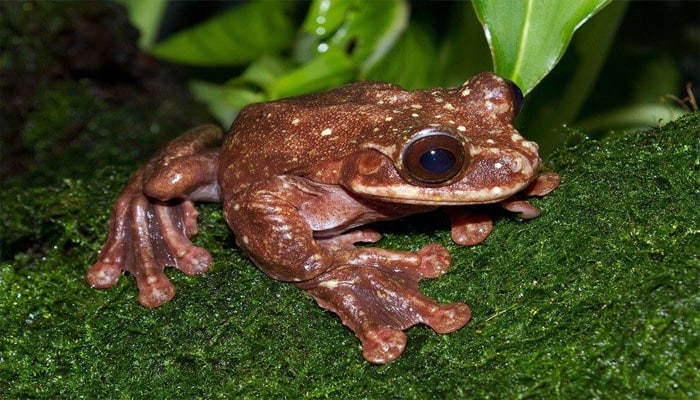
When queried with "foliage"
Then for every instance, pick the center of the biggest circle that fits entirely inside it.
(527, 38)
(273, 53)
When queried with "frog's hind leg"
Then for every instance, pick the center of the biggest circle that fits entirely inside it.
(154, 217)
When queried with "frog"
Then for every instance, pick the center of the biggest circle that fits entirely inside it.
(300, 179)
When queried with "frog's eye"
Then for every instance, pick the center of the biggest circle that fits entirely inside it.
(433, 157)
(517, 96)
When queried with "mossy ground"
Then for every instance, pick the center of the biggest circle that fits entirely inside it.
(597, 298)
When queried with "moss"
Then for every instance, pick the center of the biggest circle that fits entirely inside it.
(85, 95)
(598, 297)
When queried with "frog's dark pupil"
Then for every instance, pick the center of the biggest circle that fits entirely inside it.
(437, 161)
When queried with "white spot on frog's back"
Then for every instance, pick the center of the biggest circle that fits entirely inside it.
(296, 121)
(326, 132)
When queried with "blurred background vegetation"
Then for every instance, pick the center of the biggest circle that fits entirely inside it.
(627, 67)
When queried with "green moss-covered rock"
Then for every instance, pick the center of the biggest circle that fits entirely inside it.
(597, 298)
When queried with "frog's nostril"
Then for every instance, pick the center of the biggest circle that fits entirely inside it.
(516, 165)
(433, 157)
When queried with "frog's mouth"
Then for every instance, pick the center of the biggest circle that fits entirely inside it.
(489, 177)
(447, 196)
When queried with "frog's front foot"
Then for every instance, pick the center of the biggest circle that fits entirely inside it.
(380, 298)
(154, 217)
(541, 186)
(145, 236)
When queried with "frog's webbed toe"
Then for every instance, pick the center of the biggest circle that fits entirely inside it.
(145, 236)
(541, 186)
(153, 219)
(469, 228)
(378, 302)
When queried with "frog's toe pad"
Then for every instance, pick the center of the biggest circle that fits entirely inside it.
(435, 260)
(383, 345)
(155, 290)
(145, 236)
(195, 261)
(103, 275)
(449, 318)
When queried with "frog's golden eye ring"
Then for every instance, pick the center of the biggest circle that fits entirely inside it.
(517, 96)
(433, 157)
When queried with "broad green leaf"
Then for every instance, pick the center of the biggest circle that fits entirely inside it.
(234, 37)
(212, 95)
(427, 57)
(364, 30)
(146, 17)
(528, 37)
(410, 63)
(263, 74)
(253, 85)
(333, 68)
(463, 52)
(559, 100)
(271, 78)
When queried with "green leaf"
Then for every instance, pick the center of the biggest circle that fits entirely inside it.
(146, 17)
(527, 38)
(263, 74)
(426, 56)
(270, 78)
(410, 63)
(364, 30)
(463, 51)
(234, 37)
(559, 100)
(253, 85)
(213, 96)
(331, 69)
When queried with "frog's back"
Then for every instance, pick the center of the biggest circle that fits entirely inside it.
(276, 138)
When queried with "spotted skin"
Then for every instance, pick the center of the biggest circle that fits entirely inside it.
(300, 177)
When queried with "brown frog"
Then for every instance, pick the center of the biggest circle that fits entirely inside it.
(298, 177)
